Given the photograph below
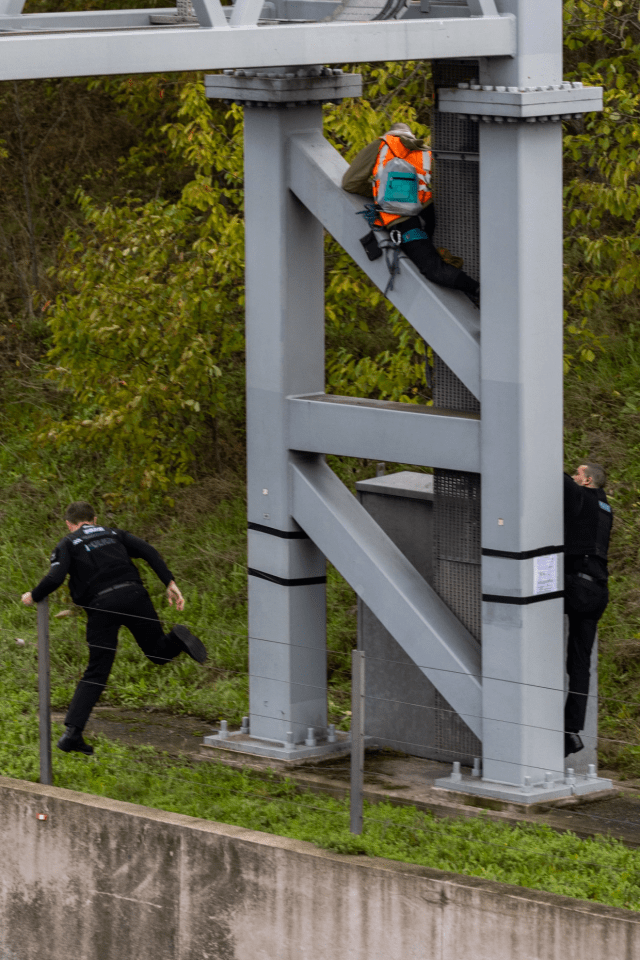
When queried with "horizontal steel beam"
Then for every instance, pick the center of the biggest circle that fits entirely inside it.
(446, 319)
(379, 430)
(159, 49)
(412, 612)
(82, 20)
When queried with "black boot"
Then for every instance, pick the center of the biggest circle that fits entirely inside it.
(72, 741)
(572, 743)
(190, 644)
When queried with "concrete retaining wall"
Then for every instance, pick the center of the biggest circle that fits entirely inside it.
(104, 880)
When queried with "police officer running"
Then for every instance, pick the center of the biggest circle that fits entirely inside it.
(588, 519)
(103, 579)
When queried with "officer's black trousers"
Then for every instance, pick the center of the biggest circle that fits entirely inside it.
(427, 259)
(582, 633)
(129, 607)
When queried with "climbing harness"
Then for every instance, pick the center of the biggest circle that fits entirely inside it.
(414, 234)
(380, 241)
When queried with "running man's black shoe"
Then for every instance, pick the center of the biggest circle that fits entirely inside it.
(190, 644)
(72, 741)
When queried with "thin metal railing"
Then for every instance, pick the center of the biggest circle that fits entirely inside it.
(44, 692)
(357, 740)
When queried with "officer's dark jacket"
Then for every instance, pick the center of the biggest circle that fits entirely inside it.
(588, 519)
(95, 558)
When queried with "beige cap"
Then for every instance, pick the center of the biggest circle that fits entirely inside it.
(401, 130)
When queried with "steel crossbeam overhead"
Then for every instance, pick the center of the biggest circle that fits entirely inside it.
(217, 45)
(383, 578)
(446, 319)
(380, 430)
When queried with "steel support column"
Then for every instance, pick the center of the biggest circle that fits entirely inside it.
(521, 456)
(285, 355)
(518, 104)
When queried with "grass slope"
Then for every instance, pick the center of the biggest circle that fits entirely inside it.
(204, 543)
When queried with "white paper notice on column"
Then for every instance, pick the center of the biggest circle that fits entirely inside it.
(545, 574)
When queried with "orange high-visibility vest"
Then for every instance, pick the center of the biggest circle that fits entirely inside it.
(419, 159)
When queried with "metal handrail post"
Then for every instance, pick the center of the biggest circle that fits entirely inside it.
(44, 692)
(357, 739)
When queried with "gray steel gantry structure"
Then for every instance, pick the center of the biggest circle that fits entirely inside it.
(509, 690)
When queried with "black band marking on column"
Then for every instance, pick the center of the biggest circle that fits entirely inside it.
(522, 554)
(283, 534)
(301, 582)
(521, 601)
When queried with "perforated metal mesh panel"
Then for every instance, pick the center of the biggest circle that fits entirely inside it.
(450, 392)
(456, 168)
(358, 10)
(457, 495)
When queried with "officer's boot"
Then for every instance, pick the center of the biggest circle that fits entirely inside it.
(572, 743)
(72, 741)
(190, 644)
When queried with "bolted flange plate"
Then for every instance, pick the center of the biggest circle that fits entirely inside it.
(283, 87)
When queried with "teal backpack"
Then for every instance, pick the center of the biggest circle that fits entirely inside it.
(398, 190)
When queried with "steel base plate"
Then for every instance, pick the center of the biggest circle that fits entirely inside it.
(275, 749)
(540, 792)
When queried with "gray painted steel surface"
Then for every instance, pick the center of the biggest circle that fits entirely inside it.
(285, 355)
(28, 56)
(322, 85)
(379, 430)
(521, 267)
(559, 100)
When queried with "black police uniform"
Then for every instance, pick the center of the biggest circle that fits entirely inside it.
(587, 527)
(103, 579)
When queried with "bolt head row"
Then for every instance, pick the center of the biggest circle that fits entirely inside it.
(567, 85)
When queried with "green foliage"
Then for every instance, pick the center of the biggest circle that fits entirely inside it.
(147, 326)
(602, 192)
(602, 411)
(151, 309)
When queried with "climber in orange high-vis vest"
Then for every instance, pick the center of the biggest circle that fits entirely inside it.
(392, 148)
(395, 171)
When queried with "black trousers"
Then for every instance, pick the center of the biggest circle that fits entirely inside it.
(129, 607)
(427, 259)
(582, 633)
